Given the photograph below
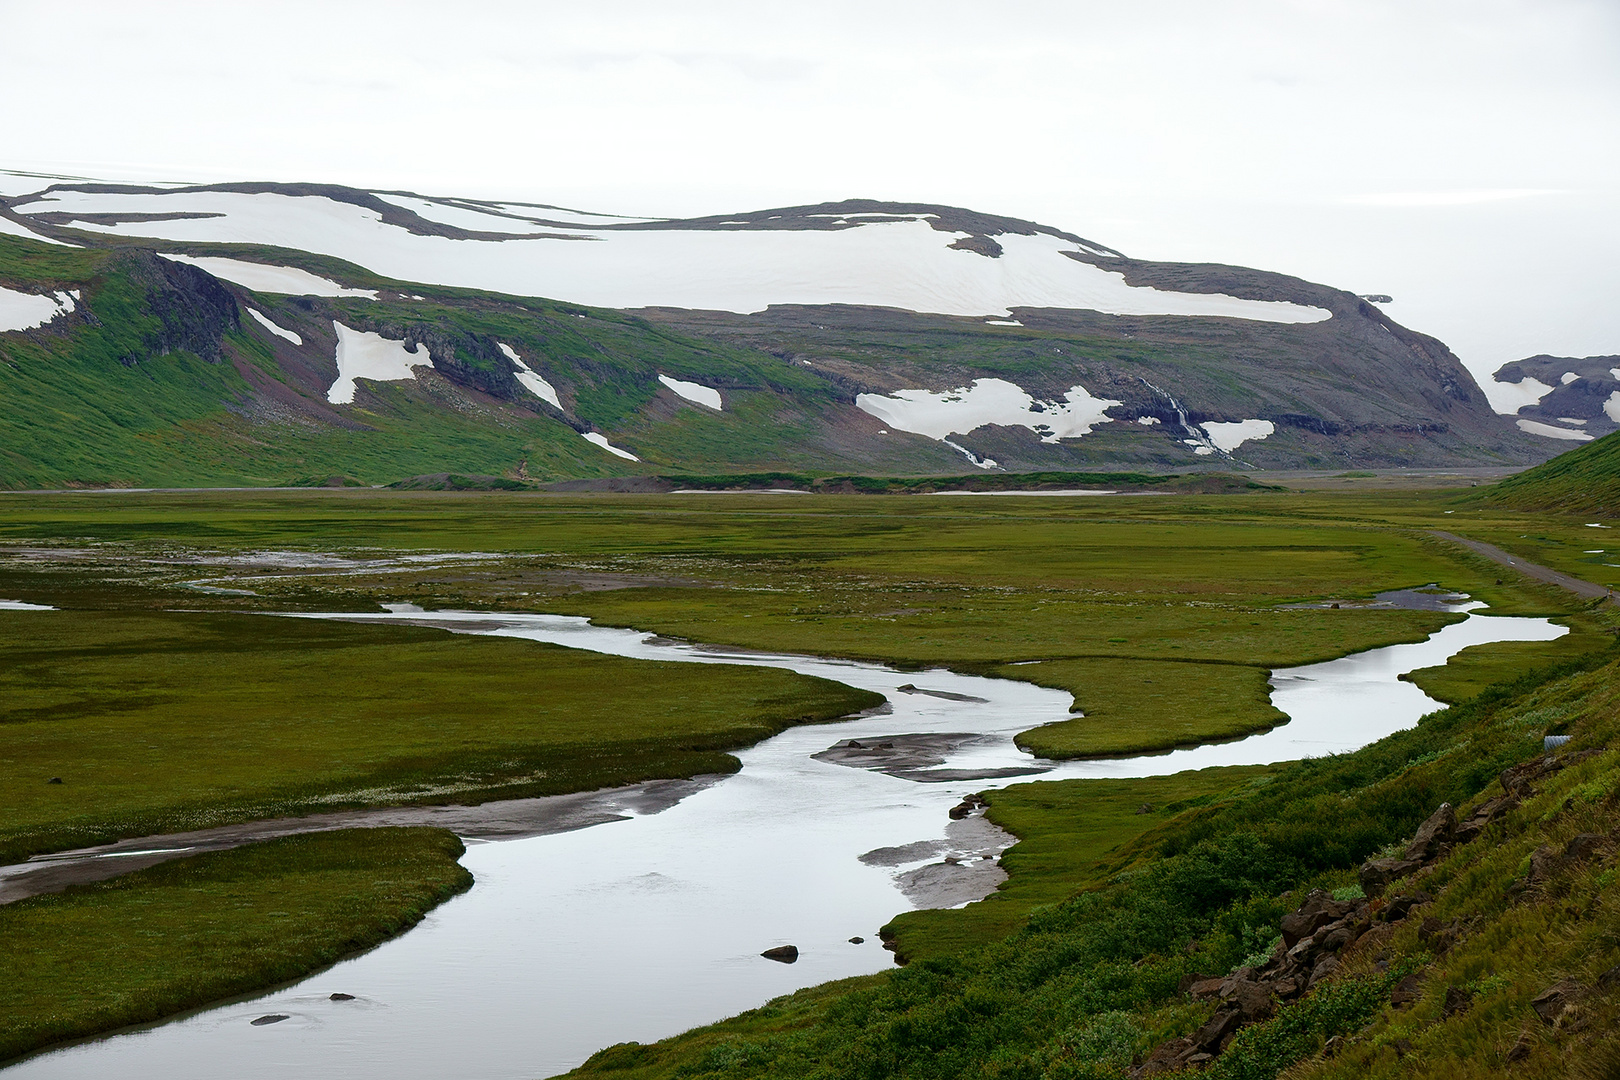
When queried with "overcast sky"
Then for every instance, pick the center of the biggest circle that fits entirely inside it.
(1463, 157)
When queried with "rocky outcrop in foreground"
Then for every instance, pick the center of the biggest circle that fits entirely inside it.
(1321, 934)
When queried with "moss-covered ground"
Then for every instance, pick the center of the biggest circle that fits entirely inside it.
(185, 933)
(160, 722)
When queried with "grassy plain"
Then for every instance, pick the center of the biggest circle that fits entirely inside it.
(185, 933)
(165, 721)
(1144, 706)
(1160, 614)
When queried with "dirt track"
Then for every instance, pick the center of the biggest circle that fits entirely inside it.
(1576, 585)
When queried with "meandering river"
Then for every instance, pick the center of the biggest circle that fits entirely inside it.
(641, 927)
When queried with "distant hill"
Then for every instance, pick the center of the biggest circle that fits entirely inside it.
(1566, 397)
(274, 333)
(1585, 480)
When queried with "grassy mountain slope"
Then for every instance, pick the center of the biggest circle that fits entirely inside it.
(1355, 390)
(1585, 480)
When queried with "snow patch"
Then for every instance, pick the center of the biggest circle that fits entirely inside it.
(1532, 427)
(1147, 421)
(24, 311)
(1002, 322)
(988, 401)
(599, 439)
(267, 278)
(1577, 421)
(1508, 398)
(363, 355)
(1568, 377)
(531, 378)
(1611, 407)
(20, 605)
(691, 391)
(1230, 436)
(13, 228)
(264, 320)
(900, 264)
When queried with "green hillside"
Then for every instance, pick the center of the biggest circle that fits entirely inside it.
(1585, 480)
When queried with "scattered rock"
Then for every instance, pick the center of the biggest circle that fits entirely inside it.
(857, 940)
(1457, 1001)
(1145, 808)
(1215, 1030)
(342, 997)
(54, 780)
(782, 954)
(269, 1018)
(1407, 990)
(1166, 1057)
(1552, 1003)
(1401, 906)
(1333, 1046)
(1584, 847)
(1325, 968)
(1377, 874)
(1544, 863)
(1434, 836)
(1200, 986)
(1521, 1049)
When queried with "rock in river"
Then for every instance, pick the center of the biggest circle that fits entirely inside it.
(782, 954)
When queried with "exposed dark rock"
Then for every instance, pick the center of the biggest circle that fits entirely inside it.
(1434, 836)
(1166, 1057)
(1401, 906)
(1325, 968)
(1377, 874)
(1457, 1000)
(341, 997)
(782, 954)
(857, 940)
(1554, 1002)
(269, 1018)
(1407, 990)
(54, 780)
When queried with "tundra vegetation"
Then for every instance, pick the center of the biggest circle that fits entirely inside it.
(1161, 614)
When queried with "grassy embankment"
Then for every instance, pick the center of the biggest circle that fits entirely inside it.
(159, 722)
(169, 938)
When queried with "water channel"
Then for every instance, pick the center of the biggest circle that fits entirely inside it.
(643, 926)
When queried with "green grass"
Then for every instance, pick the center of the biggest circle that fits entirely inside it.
(1143, 706)
(186, 933)
(158, 721)
(1585, 480)
(1073, 835)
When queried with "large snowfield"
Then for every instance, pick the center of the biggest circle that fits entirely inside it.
(988, 401)
(901, 264)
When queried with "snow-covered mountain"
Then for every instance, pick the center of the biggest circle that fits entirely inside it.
(856, 336)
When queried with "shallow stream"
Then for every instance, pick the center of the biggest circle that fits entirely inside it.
(638, 928)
